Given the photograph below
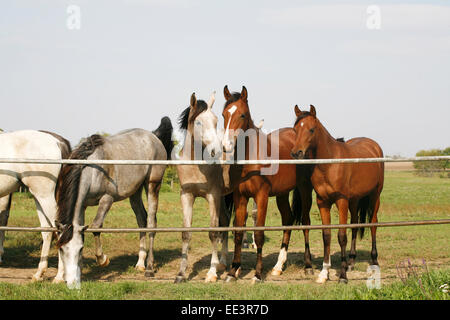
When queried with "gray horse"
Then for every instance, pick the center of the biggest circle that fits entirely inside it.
(211, 182)
(89, 185)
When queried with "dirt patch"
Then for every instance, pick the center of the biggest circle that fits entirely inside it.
(399, 166)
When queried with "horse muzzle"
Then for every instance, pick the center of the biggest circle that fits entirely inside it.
(299, 154)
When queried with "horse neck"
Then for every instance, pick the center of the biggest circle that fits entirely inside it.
(325, 143)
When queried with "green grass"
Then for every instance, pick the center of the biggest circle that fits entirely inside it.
(427, 286)
(405, 197)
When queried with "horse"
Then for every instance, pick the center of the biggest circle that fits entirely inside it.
(254, 183)
(102, 185)
(41, 179)
(351, 186)
(211, 182)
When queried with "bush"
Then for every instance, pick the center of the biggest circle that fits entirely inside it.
(428, 167)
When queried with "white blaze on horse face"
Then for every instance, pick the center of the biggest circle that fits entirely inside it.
(71, 254)
(227, 143)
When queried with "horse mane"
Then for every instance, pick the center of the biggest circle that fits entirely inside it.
(184, 119)
(235, 96)
(64, 144)
(68, 185)
(340, 139)
(164, 133)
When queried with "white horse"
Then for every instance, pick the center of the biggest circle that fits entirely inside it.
(39, 178)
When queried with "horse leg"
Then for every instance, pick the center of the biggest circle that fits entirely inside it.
(373, 230)
(152, 198)
(5, 206)
(187, 201)
(46, 209)
(104, 205)
(240, 202)
(254, 216)
(262, 199)
(286, 220)
(214, 210)
(353, 206)
(342, 205)
(224, 221)
(141, 218)
(324, 208)
(306, 196)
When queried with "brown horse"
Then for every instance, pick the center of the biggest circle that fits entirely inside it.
(255, 182)
(354, 186)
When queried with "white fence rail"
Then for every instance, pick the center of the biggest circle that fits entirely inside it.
(208, 162)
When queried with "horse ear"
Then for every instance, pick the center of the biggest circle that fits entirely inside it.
(244, 93)
(193, 100)
(226, 93)
(297, 111)
(312, 110)
(211, 100)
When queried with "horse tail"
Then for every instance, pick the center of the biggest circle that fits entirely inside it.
(68, 186)
(365, 212)
(164, 133)
(296, 207)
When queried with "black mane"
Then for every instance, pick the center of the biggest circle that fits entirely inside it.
(68, 184)
(183, 119)
(164, 133)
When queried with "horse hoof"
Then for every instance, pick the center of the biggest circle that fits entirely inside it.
(321, 280)
(309, 271)
(238, 272)
(36, 279)
(231, 279)
(343, 281)
(104, 263)
(350, 267)
(254, 246)
(221, 267)
(210, 278)
(56, 281)
(276, 272)
(149, 274)
(140, 268)
(256, 280)
(180, 279)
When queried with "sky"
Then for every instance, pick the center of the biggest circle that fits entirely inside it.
(382, 74)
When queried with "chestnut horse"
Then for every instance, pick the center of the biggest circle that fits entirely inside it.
(259, 185)
(354, 186)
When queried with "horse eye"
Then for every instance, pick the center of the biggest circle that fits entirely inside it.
(311, 130)
(242, 116)
(198, 123)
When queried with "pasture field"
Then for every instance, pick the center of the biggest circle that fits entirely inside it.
(405, 197)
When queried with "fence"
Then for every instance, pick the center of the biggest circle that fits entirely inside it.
(237, 162)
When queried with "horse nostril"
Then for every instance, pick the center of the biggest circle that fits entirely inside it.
(293, 154)
(213, 153)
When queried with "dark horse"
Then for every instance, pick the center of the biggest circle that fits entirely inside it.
(89, 185)
(260, 185)
(354, 186)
